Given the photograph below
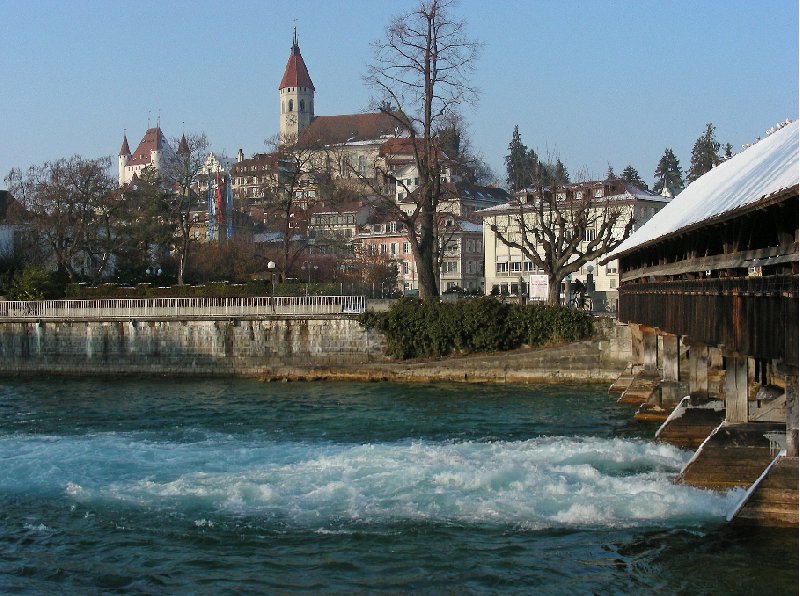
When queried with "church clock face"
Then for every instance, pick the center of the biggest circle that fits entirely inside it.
(291, 119)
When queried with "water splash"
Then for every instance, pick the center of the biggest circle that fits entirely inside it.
(549, 482)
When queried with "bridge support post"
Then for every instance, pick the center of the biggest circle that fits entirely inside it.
(650, 349)
(736, 388)
(791, 416)
(637, 347)
(672, 390)
(698, 372)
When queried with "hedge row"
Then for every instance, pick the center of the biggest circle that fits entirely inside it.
(415, 328)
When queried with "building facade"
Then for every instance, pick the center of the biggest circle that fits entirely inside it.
(508, 271)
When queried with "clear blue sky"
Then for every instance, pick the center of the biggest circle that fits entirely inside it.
(595, 82)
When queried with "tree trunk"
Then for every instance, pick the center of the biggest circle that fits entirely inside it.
(554, 289)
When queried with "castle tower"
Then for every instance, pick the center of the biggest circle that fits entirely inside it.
(296, 96)
(124, 158)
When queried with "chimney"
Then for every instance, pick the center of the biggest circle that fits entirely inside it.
(240, 156)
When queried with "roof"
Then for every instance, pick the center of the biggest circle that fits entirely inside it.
(625, 192)
(760, 172)
(125, 150)
(153, 140)
(334, 130)
(296, 73)
(260, 161)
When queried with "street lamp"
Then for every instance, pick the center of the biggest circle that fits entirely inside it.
(271, 268)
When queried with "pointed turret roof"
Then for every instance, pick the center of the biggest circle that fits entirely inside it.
(125, 150)
(183, 146)
(296, 73)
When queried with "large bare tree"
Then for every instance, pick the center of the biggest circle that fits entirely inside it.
(181, 174)
(420, 73)
(71, 202)
(561, 228)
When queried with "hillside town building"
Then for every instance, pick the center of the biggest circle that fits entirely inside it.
(509, 272)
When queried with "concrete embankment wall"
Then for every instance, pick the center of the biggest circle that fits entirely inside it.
(189, 347)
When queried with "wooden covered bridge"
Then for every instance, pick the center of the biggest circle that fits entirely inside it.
(709, 287)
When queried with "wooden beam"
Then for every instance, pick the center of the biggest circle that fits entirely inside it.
(737, 260)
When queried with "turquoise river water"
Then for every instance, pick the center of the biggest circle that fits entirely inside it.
(212, 487)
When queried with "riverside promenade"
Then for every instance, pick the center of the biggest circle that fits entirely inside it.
(275, 339)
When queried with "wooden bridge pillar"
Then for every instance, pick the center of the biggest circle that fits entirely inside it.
(791, 413)
(672, 390)
(698, 372)
(736, 388)
(650, 349)
(637, 347)
(671, 357)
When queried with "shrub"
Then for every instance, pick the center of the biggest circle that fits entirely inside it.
(415, 328)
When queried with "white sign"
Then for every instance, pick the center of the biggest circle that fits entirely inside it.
(538, 289)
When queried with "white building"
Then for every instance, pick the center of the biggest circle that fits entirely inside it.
(508, 270)
(153, 151)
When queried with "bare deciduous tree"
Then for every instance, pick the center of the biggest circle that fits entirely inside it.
(420, 73)
(71, 203)
(181, 174)
(562, 228)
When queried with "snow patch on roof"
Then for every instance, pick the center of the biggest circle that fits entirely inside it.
(761, 170)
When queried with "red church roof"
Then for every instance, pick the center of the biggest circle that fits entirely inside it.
(296, 73)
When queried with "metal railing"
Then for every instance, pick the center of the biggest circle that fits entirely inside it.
(176, 308)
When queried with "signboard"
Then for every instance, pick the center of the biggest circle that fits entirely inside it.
(538, 287)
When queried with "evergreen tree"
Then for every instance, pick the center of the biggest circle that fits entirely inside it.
(630, 174)
(728, 150)
(561, 175)
(518, 174)
(705, 154)
(668, 174)
(611, 175)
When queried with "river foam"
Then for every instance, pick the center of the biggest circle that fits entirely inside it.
(547, 482)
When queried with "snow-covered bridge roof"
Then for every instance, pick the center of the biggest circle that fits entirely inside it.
(758, 173)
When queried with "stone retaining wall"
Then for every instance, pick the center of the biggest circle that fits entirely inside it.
(189, 347)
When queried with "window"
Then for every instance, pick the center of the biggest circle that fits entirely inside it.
(470, 246)
(470, 267)
(613, 283)
(528, 265)
(406, 268)
(516, 266)
(450, 267)
(291, 105)
(590, 234)
(362, 165)
(611, 268)
(302, 105)
(578, 195)
(393, 250)
(598, 193)
(383, 249)
(502, 267)
(406, 248)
